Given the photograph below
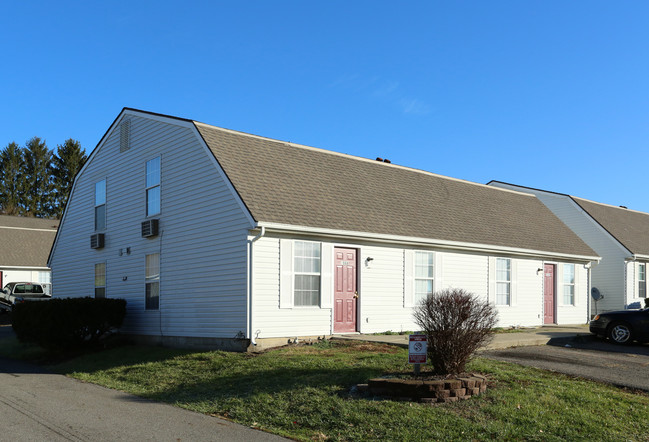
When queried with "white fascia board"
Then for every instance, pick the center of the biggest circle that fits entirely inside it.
(638, 257)
(411, 240)
(27, 228)
(24, 267)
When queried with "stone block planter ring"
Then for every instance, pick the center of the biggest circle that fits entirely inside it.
(427, 391)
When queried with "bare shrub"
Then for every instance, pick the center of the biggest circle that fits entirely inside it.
(456, 323)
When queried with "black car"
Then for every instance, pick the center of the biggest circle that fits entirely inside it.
(622, 327)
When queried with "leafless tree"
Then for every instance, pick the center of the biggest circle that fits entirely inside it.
(456, 323)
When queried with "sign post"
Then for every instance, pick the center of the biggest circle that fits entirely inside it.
(417, 351)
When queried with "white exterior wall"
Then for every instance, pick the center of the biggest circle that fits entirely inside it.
(202, 240)
(577, 313)
(609, 275)
(382, 290)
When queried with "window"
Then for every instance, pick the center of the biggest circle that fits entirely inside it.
(153, 187)
(568, 284)
(45, 279)
(503, 281)
(100, 205)
(423, 276)
(642, 280)
(100, 280)
(306, 257)
(152, 282)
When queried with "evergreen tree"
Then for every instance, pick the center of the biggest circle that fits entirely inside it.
(12, 165)
(38, 191)
(66, 163)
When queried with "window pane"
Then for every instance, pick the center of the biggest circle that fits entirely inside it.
(152, 270)
(100, 292)
(423, 264)
(153, 201)
(153, 172)
(152, 298)
(503, 269)
(100, 193)
(568, 273)
(568, 294)
(307, 290)
(641, 272)
(100, 275)
(423, 289)
(100, 217)
(502, 293)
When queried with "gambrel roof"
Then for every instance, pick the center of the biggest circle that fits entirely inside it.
(290, 184)
(629, 227)
(26, 242)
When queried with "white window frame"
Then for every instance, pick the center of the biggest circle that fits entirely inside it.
(297, 274)
(642, 272)
(418, 296)
(568, 285)
(100, 203)
(152, 185)
(503, 282)
(100, 287)
(151, 281)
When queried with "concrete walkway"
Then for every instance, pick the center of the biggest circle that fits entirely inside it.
(514, 338)
(37, 405)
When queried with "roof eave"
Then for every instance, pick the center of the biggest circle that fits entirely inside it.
(408, 240)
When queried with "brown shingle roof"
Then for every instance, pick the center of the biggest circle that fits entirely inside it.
(26, 242)
(297, 185)
(629, 227)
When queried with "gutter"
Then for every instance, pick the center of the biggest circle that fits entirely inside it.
(249, 292)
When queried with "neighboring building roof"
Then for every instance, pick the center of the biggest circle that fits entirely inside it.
(25, 242)
(290, 184)
(629, 227)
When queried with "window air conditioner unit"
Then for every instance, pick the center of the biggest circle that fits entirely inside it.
(97, 241)
(149, 228)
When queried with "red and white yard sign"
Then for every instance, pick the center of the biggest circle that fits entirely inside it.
(417, 349)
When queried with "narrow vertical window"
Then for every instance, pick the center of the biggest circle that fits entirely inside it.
(568, 284)
(100, 280)
(100, 205)
(153, 187)
(642, 280)
(503, 281)
(152, 282)
(423, 275)
(306, 259)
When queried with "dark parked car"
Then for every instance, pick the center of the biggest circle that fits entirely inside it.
(622, 327)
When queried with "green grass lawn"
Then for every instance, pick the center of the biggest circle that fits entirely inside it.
(304, 392)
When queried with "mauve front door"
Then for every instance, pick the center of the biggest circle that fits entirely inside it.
(345, 291)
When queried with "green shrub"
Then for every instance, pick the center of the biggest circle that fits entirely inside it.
(67, 324)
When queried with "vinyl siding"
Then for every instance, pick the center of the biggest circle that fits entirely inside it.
(577, 313)
(608, 275)
(202, 240)
(269, 320)
(382, 289)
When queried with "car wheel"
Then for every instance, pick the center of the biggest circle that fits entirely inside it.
(620, 333)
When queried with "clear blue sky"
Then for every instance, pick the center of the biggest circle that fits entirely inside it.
(547, 94)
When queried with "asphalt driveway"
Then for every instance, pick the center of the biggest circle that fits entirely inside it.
(585, 356)
(37, 405)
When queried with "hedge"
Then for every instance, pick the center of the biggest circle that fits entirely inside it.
(65, 324)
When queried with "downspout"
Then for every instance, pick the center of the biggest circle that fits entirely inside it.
(251, 333)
